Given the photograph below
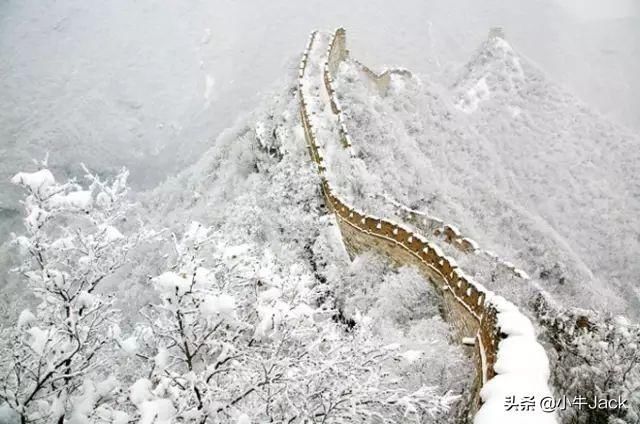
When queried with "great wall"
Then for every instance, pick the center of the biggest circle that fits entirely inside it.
(495, 332)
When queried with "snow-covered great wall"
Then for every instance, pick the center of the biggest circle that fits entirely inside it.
(508, 359)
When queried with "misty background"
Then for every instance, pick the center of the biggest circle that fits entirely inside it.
(148, 84)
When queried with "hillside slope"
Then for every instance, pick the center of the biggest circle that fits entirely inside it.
(517, 163)
(258, 190)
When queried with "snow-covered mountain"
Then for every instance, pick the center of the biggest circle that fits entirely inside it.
(517, 163)
(513, 160)
(149, 84)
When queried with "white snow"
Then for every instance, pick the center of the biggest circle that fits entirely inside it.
(470, 101)
(522, 355)
(522, 368)
(162, 358)
(36, 217)
(233, 251)
(26, 318)
(110, 233)
(270, 294)
(80, 199)
(158, 411)
(267, 322)
(37, 181)
(222, 304)
(38, 339)
(82, 405)
(243, 419)
(130, 345)
(513, 322)
(204, 277)
(412, 355)
(85, 299)
(120, 417)
(514, 110)
(84, 262)
(140, 391)
(172, 283)
(197, 232)
(302, 310)
(63, 243)
(103, 200)
(500, 387)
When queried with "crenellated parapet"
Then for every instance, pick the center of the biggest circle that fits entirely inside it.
(336, 52)
(498, 330)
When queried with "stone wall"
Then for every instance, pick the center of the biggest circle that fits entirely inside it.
(471, 310)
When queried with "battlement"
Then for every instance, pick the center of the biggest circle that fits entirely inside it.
(499, 331)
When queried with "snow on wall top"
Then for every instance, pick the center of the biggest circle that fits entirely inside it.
(513, 362)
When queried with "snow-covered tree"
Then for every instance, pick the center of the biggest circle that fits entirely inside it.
(53, 367)
(400, 306)
(230, 345)
(597, 356)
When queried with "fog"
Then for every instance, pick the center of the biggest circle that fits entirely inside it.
(149, 84)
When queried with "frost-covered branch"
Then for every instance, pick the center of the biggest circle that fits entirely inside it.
(220, 350)
(72, 245)
(596, 356)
